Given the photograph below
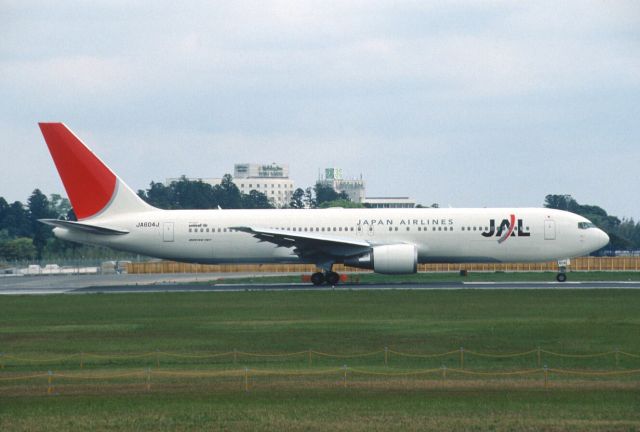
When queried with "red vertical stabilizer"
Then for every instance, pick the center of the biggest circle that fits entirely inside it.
(89, 183)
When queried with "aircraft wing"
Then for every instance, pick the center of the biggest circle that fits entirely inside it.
(310, 245)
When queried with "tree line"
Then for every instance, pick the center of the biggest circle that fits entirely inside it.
(196, 194)
(22, 237)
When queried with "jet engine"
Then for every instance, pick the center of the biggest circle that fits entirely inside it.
(388, 259)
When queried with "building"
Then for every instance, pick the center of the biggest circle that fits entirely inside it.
(270, 179)
(389, 202)
(355, 188)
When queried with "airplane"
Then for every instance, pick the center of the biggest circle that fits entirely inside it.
(388, 241)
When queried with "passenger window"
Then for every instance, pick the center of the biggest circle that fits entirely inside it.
(408, 229)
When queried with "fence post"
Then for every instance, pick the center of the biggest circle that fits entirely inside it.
(50, 383)
(148, 379)
(386, 356)
(444, 372)
(246, 379)
(546, 376)
(539, 357)
(158, 359)
(461, 358)
(344, 379)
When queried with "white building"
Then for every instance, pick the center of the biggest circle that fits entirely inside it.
(355, 188)
(270, 179)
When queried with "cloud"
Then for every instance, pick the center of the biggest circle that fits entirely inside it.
(422, 92)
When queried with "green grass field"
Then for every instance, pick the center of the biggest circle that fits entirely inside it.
(571, 322)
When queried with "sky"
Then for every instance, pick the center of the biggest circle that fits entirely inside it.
(461, 103)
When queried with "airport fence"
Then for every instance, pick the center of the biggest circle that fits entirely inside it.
(83, 372)
(245, 379)
(385, 357)
(628, 263)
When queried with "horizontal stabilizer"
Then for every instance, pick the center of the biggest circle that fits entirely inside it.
(84, 227)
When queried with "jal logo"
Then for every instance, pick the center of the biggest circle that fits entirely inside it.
(506, 229)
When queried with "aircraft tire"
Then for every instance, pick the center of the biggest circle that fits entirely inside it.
(332, 278)
(317, 279)
(561, 277)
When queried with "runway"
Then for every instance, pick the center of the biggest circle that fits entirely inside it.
(191, 282)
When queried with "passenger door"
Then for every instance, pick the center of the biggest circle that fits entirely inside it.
(167, 232)
(549, 229)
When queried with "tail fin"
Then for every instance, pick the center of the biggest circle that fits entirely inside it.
(93, 189)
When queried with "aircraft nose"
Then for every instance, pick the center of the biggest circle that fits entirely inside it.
(602, 238)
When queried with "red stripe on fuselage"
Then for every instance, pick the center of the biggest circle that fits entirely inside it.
(89, 183)
(511, 228)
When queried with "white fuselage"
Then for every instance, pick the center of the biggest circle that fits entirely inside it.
(440, 235)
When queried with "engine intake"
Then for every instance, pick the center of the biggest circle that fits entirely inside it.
(388, 259)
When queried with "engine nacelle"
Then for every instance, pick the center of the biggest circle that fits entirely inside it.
(388, 259)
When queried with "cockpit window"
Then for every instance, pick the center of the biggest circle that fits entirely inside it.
(586, 225)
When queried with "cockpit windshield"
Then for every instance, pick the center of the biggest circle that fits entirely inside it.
(586, 225)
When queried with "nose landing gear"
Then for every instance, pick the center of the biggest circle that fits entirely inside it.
(562, 270)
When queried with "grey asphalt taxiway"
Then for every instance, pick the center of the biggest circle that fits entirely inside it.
(86, 284)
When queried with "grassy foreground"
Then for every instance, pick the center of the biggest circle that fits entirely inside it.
(340, 321)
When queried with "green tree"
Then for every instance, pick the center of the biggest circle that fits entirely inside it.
(255, 200)
(39, 208)
(344, 203)
(309, 200)
(16, 221)
(297, 199)
(230, 197)
(59, 206)
(18, 249)
(325, 193)
(158, 195)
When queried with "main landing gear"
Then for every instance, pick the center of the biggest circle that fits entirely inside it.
(329, 277)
